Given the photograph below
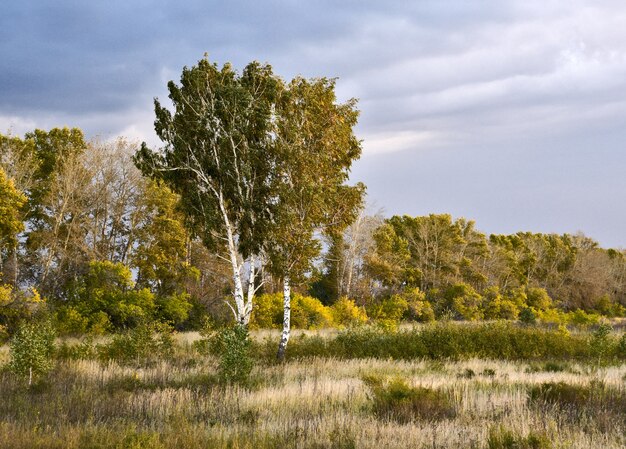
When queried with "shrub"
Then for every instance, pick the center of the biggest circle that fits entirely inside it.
(601, 343)
(538, 298)
(494, 306)
(500, 438)
(309, 313)
(395, 400)
(69, 321)
(464, 301)
(448, 341)
(551, 316)
(141, 345)
(31, 350)
(582, 318)
(388, 311)
(267, 312)
(106, 296)
(84, 350)
(346, 313)
(528, 316)
(561, 394)
(419, 308)
(508, 310)
(233, 346)
(174, 309)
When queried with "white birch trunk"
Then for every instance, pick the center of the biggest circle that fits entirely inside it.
(248, 305)
(239, 309)
(284, 338)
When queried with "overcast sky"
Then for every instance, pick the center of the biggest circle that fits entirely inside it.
(512, 113)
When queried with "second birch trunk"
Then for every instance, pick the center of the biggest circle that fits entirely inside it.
(284, 338)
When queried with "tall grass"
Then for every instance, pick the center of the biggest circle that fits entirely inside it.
(178, 401)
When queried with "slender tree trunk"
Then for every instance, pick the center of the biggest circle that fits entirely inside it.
(239, 310)
(30, 376)
(284, 338)
(251, 281)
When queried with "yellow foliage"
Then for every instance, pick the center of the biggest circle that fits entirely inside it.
(346, 313)
(309, 313)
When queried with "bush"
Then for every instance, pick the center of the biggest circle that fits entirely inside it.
(309, 313)
(388, 311)
(397, 401)
(419, 308)
(500, 438)
(85, 350)
(346, 313)
(174, 309)
(538, 298)
(306, 312)
(581, 318)
(561, 394)
(107, 298)
(551, 316)
(494, 306)
(449, 341)
(601, 342)
(464, 301)
(141, 345)
(31, 350)
(233, 346)
(267, 312)
(69, 321)
(528, 316)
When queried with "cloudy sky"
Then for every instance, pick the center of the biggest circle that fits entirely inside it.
(512, 113)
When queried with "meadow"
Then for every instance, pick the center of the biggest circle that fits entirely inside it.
(175, 399)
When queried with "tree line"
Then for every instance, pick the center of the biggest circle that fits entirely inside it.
(249, 196)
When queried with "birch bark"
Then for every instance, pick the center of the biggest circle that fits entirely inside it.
(284, 338)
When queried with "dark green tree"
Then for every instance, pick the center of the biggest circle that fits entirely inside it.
(218, 157)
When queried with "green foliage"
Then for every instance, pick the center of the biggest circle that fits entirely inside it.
(233, 345)
(161, 254)
(69, 321)
(501, 438)
(345, 313)
(419, 309)
(602, 343)
(429, 252)
(173, 309)
(452, 341)
(581, 318)
(395, 400)
(106, 298)
(388, 311)
(528, 316)
(32, 349)
(464, 301)
(141, 345)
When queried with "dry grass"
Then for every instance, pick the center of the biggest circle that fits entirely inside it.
(314, 403)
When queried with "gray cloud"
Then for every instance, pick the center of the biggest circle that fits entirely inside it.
(510, 112)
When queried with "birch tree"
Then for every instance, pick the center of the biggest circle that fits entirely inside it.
(217, 156)
(316, 146)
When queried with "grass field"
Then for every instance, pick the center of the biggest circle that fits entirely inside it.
(317, 402)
